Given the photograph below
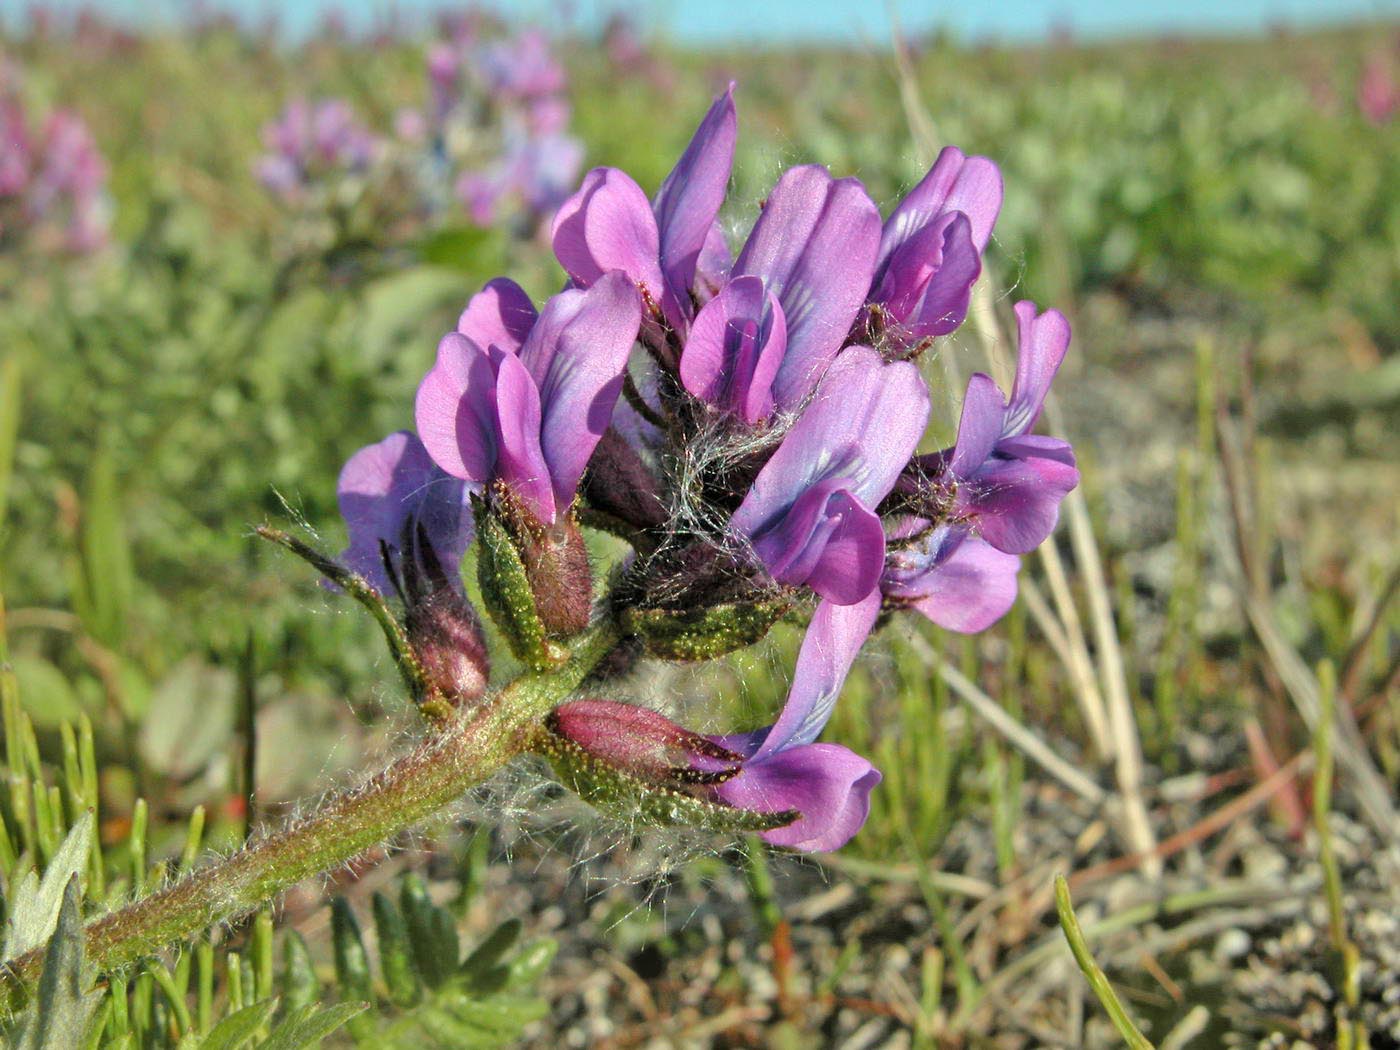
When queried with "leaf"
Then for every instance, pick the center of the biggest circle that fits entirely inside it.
(37, 904)
(45, 692)
(395, 956)
(234, 1031)
(107, 569)
(432, 933)
(397, 306)
(492, 950)
(309, 1025)
(60, 1017)
(9, 425)
(190, 718)
(467, 249)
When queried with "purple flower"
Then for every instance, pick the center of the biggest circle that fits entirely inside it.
(522, 398)
(931, 248)
(522, 68)
(389, 491)
(310, 142)
(410, 523)
(783, 769)
(1004, 481)
(535, 169)
(810, 514)
(775, 770)
(955, 579)
(814, 248)
(16, 150)
(609, 224)
(1377, 92)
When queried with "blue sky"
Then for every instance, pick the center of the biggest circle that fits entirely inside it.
(757, 21)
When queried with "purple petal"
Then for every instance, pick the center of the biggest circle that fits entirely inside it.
(577, 353)
(608, 225)
(521, 463)
(1014, 498)
(690, 198)
(828, 784)
(501, 314)
(384, 486)
(833, 639)
(455, 410)
(980, 427)
(969, 590)
(944, 303)
(901, 286)
(1042, 342)
(971, 185)
(713, 266)
(828, 541)
(814, 246)
(861, 426)
(735, 348)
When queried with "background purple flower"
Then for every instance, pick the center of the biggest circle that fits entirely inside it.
(311, 144)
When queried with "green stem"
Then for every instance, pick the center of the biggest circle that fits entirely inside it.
(417, 785)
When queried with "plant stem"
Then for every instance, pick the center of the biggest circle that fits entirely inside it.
(441, 769)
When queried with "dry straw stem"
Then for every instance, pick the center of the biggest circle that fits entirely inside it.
(1372, 792)
(1015, 733)
(1124, 739)
(1076, 658)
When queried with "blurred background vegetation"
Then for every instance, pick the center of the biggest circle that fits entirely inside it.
(1221, 222)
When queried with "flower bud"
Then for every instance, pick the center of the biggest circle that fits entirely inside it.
(620, 488)
(636, 763)
(446, 638)
(555, 560)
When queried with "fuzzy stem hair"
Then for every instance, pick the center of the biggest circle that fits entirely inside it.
(438, 771)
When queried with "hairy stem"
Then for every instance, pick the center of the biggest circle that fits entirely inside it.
(434, 774)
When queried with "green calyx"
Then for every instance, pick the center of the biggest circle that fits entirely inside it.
(704, 633)
(506, 591)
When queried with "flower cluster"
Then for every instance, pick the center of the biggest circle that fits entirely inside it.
(498, 120)
(750, 424)
(316, 150)
(53, 179)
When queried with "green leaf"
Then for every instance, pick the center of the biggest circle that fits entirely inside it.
(299, 985)
(466, 249)
(534, 959)
(9, 426)
(62, 1013)
(351, 962)
(235, 1030)
(107, 570)
(190, 720)
(309, 1025)
(432, 933)
(395, 956)
(37, 904)
(491, 951)
(507, 594)
(45, 692)
(398, 306)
